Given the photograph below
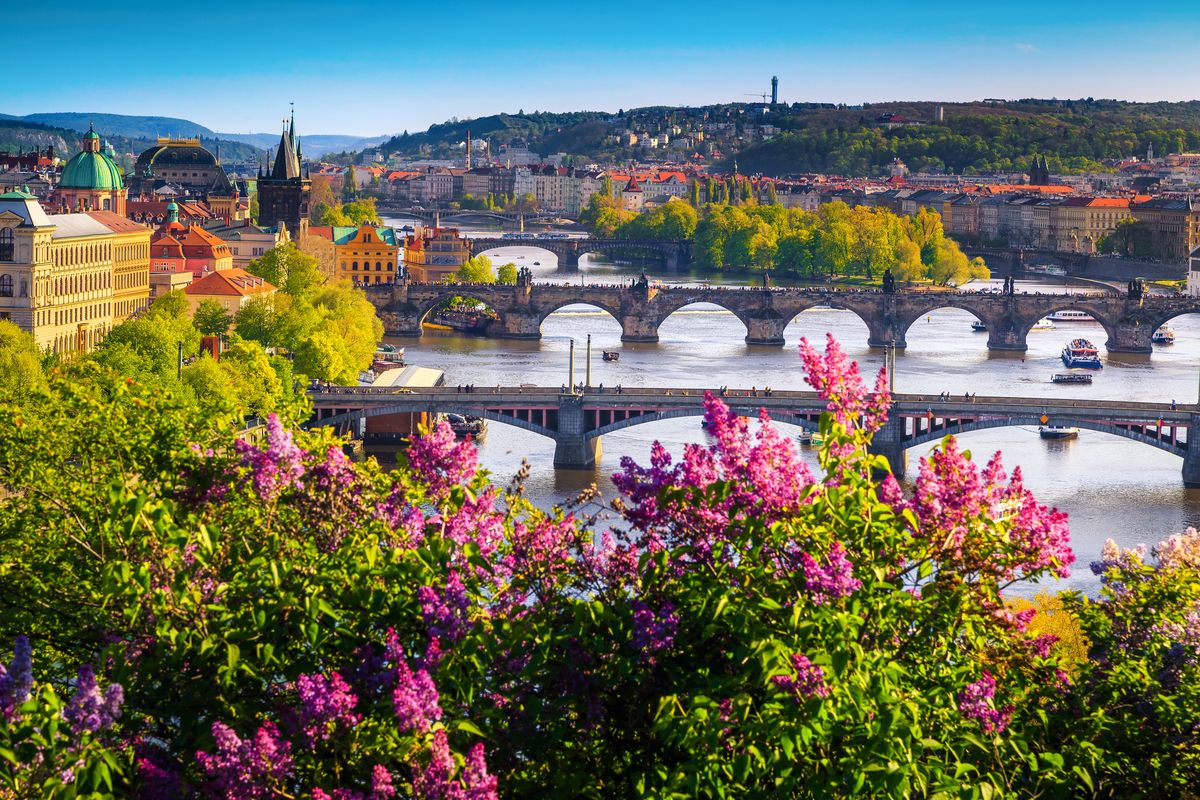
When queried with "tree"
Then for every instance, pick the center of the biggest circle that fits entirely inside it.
(149, 346)
(334, 216)
(321, 197)
(211, 318)
(507, 273)
(772, 196)
(254, 207)
(477, 270)
(21, 371)
(694, 193)
(362, 211)
(349, 185)
(288, 268)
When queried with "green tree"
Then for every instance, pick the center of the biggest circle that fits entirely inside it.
(694, 193)
(334, 216)
(362, 211)
(286, 267)
(211, 318)
(349, 185)
(21, 370)
(507, 273)
(477, 270)
(772, 195)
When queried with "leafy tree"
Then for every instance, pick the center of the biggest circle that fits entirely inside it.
(21, 371)
(349, 185)
(507, 273)
(150, 345)
(334, 216)
(288, 268)
(211, 318)
(362, 211)
(477, 270)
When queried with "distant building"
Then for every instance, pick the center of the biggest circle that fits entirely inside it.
(184, 168)
(434, 254)
(283, 193)
(245, 240)
(90, 181)
(363, 254)
(632, 198)
(201, 252)
(60, 273)
(1174, 226)
(231, 288)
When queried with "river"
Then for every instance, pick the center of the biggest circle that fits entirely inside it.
(1110, 486)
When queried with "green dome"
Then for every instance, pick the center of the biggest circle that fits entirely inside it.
(88, 170)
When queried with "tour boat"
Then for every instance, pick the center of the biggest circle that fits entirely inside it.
(465, 425)
(1067, 315)
(979, 325)
(1072, 377)
(1163, 335)
(465, 321)
(813, 438)
(611, 355)
(387, 356)
(1057, 432)
(1081, 353)
(1043, 324)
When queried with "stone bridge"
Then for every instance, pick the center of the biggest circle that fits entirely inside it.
(675, 255)
(577, 421)
(437, 216)
(641, 307)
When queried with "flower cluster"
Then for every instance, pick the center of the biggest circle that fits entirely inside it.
(440, 460)
(654, 631)
(1179, 550)
(326, 703)
(832, 581)
(382, 788)
(276, 466)
(435, 780)
(445, 612)
(836, 378)
(415, 696)
(977, 702)
(807, 680)
(16, 680)
(246, 769)
(89, 711)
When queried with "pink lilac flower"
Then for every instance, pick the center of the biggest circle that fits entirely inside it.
(277, 466)
(434, 780)
(1042, 644)
(89, 711)
(440, 461)
(477, 783)
(381, 784)
(246, 769)
(836, 379)
(157, 780)
(1179, 550)
(326, 703)
(654, 631)
(415, 698)
(807, 680)
(16, 681)
(832, 581)
(977, 702)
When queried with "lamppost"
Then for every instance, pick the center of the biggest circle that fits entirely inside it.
(892, 367)
(571, 368)
(587, 382)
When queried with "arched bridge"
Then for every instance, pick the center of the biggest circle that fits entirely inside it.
(641, 307)
(577, 421)
(675, 254)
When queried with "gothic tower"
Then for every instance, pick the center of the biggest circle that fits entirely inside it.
(283, 192)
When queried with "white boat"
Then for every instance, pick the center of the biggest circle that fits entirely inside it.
(1043, 324)
(1068, 315)
(1058, 432)
(1163, 335)
(979, 325)
(1071, 377)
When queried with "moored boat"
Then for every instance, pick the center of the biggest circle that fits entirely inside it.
(466, 425)
(1081, 353)
(979, 325)
(464, 321)
(1057, 432)
(1043, 324)
(387, 356)
(1164, 335)
(1071, 377)
(611, 355)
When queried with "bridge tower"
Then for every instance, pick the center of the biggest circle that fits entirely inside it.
(573, 449)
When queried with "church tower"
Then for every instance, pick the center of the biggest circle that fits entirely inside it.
(283, 192)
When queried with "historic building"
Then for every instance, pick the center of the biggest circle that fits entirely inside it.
(183, 164)
(363, 254)
(199, 251)
(59, 272)
(245, 240)
(91, 181)
(231, 288)
(283, 193)
(1174, 226)
(434, 254)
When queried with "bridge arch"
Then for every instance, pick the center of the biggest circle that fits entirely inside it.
(525, 244)
(666, 310)
(1159, 320)
(807, 422)
(1179, 448)
(426, 308)
(1024, 325)
(908, 322)
(794, 314)
(611, 311)
(411, 408)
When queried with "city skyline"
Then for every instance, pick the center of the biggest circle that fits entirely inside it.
(367, 76)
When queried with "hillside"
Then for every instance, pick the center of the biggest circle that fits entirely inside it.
(1075, 135)
(134, 127)
(313, 144)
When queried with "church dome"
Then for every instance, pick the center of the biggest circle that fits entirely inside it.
(91, 169)
(174, 153)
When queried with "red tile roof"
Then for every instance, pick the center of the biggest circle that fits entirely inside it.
(229, 283)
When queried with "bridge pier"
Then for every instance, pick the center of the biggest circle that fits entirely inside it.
(888, 442)
(517, 325)
(1130, 337)
(573, 448)
(765, 331)
(886, 332)
(638, 328)
(1004, 333)
(1191, 459)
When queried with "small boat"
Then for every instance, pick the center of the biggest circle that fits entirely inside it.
(810, 438)
(537, 263)
(1081, 353)
(1072, 377)
(387, 357)
(979, 325)
(466, 425)
(1068, 315)
(464, 321)
(1043, 324)
(611, 355)
(1163, 335)
(1057, 432)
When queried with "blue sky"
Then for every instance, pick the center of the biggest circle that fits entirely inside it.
(369, 68)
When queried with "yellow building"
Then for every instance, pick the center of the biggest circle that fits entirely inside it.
(131, 264)
(366, 254)
(1174, 226)
(434, 254)
(58, 273)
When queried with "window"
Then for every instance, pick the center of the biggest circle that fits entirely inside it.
(7, 248)
(6, 286)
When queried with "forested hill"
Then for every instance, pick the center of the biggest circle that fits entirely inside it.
(125, 133)
(1076, 135)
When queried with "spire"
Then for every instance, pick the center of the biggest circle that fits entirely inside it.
(287, 163)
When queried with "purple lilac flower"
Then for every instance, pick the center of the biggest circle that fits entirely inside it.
(832, 581)
(157, 780)
(976, 702)
(381, 784)
(277, 466)
(415, 698)
(477, 783)
(246, 769)
(433, 781)
(808, 680)
(654, 631)
(16, 681)
(445, 613)
(325, 703)
(89, 711)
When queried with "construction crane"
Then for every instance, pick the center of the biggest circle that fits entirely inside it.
(764, 96)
